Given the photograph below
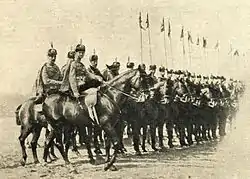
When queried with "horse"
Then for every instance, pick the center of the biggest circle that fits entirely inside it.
(60, 110)
(31, 121)
(161, 96)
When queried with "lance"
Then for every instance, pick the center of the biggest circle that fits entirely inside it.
(140, 27)
(149, 39)
(164, 37)
(170, 42)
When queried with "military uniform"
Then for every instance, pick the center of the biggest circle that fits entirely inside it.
(49, 78)
(71, 55)
(94, 70)
(77, 77)
(152, 77)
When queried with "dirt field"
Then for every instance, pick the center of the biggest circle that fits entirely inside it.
(215, 159)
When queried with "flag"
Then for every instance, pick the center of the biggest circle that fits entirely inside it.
(236, 53)
(140, 22)
(163, 25)
(147, 22)
(190, 37)
(204, 43)
(216, 45)
(182, 32)
(198, 41)
(169, 29)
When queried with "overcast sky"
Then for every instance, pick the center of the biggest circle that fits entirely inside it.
(111, 27)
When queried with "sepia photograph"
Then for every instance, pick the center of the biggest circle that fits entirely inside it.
(115, 89)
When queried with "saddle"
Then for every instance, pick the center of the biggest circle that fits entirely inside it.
(90, 100)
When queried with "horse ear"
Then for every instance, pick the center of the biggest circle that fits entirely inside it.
(108, 66)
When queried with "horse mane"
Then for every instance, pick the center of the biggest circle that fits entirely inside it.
(117, 78)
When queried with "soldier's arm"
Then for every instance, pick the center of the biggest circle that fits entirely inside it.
(47, 80)
(72, 79)
(93, 76)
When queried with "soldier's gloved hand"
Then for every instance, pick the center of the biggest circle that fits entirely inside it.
(100, 79)
(77, 95)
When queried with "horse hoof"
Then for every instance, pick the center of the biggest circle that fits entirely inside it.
(36, 162)
(106, 167)
(144, 150)
(67, 163)
(162, 149)
(171, 146)
(113, 168)
(23, 162)
(155, 149)
(92, 161)
(138, 153)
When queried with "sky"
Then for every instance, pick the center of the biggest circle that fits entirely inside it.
(111, 28)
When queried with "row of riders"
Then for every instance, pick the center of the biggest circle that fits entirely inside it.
(82, 99)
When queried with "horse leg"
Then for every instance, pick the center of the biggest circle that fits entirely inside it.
(169, 126)
(59, 145)
(153, 136)
(181, 129)
(111, 133)
(96, 142)
(136, 138)
(189, 133)
(204, 131)
(73, 133)
(107, 148)
(87, 142)
(222, 126)
(50, 135)
(144, 137)
(120, 131)
(25, 131)
(160, 134)
(36, 134)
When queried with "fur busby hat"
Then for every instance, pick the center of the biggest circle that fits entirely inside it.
(152, 67)
(52, 52)
(161, 69)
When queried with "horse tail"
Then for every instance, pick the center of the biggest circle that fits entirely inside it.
(18, 121)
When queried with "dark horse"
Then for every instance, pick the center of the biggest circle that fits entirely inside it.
(61, 110)
(31, 121)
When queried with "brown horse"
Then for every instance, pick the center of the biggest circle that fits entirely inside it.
(60, 110)
(31, 121)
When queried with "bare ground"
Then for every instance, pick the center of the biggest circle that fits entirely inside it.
(208, 160)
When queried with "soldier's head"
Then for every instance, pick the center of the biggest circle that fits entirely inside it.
(80, 51)
(52, 53)
(162, 71)
(93, 60)
(71, 54)
(142, 66)
(152, 69)
(116, 66)
(130, 65)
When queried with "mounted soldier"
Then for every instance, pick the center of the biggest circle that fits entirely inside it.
(49, 78)
(79, 81)
(162, 74)
(152, 77)
(71, 56)
(76, 76)
(93, 66)
(47, 82)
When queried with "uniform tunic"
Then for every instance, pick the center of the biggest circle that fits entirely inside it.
(48, 80)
